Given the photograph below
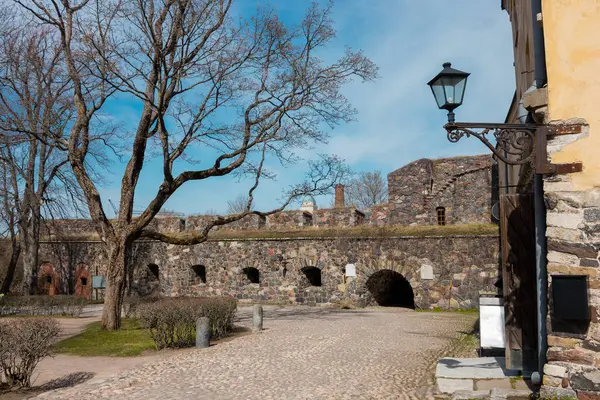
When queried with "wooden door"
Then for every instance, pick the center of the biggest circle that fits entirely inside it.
(517, 233)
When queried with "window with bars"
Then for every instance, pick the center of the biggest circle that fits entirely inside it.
(441, 215)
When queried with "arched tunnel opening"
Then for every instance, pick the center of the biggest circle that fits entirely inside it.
(391, 289)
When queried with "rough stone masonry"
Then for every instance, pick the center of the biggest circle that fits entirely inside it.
(573, 235)
(262, 259)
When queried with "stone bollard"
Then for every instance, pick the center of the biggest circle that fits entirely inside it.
(202, 333)
(257, 318)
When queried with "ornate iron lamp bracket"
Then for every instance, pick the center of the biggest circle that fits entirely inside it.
(516, 144)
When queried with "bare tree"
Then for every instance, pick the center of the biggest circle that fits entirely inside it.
(35, 109)
(367, 190)
(240, 204)
(8, 227)
(184, 62)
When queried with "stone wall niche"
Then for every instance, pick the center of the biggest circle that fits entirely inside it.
(199, 274)
(253, 274)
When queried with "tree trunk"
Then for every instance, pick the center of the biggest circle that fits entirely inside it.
(12, 266)
(30, 264)
(115, 284)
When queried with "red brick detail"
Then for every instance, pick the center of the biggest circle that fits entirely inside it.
(48, 282)
(340, 201)
(83, 282)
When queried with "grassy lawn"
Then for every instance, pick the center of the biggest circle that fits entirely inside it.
(130, 341)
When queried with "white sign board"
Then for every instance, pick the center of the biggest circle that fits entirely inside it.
(426, 272)
(491, 323)
(350, 270)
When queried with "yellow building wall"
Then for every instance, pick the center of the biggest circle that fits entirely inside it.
(572, 40)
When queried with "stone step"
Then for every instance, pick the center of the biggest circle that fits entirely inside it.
(484, 377)
(471, 394)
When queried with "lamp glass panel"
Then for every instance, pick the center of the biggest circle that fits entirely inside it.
(454, 86)
(438, 93)
(459, 90)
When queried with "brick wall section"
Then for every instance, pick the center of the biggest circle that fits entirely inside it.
(340, 200)
(462, 185)
(462, 266)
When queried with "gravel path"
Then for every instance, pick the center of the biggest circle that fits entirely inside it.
(303, 353)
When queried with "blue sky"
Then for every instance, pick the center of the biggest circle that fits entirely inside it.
(398, 121)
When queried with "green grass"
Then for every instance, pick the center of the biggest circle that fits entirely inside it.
(131, 340)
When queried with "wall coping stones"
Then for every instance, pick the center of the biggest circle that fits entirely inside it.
(266, 239)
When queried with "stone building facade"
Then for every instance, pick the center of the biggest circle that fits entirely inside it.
(556, 64)
(446, 191)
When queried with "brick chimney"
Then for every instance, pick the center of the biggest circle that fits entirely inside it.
(340, 202)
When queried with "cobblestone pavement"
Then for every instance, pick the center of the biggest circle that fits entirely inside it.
(303, 353)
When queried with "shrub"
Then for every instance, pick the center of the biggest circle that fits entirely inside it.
(172, 321)
(131, 304)
(42, 305)
(25, 342)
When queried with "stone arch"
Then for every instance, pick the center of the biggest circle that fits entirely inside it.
(199, 272)
(391, 289)
(83, 281)
(252, 273)
(311, 268)
(48, 282)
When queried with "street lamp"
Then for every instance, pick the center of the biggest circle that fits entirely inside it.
(515, 143)
(448, 88)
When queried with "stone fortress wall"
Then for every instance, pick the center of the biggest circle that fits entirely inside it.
(443, 271)
(259, 258)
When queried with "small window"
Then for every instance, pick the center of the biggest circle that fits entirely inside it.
(441, 215)
(154, 270)
(83, 281)
(48, 279)
(252, 274)
(200, 273)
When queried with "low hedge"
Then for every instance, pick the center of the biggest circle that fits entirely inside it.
(42, 305)
(172, 321)
(131, 304)
(24, 343)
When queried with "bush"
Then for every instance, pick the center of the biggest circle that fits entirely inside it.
(131, 304)
(25, 342)
(42, 305)
(172, 321)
